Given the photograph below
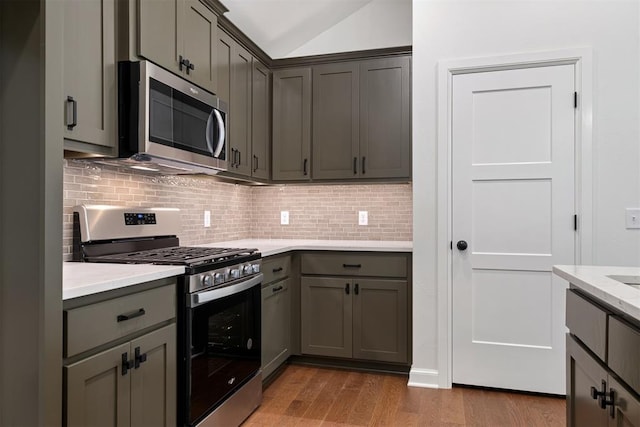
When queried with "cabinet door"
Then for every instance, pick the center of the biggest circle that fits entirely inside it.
(380, 320)
(326, 316)
(260, 118)
(385, 118)
(276, 325)
(200, 36)
(97, 391)
(160, 32)
(240, 111)
(626, 406)
(90, 72)
(583, 373)
(223, 68)
(291, 143)
(336, 107)
(153, 382)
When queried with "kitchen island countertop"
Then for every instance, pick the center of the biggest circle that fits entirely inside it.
(596, 281)
(83, 278)
(270, 247)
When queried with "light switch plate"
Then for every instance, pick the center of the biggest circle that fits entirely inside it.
(633, 218)
(284, 217)
(207, 218)
(363, 218)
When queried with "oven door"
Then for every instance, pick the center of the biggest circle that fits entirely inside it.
(224, 342)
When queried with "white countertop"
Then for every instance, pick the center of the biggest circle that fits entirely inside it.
(595, 281)
(270, 247)
(83, 278)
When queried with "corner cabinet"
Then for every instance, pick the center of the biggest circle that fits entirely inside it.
(603, 374)
(243, 83)
(120, 358)
(180, 35)
(291, 141)
(89, 60)
(356, 305)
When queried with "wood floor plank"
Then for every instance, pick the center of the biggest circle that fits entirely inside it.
(313, 397)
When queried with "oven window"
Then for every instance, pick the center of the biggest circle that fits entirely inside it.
(180, 121)
(225, 349)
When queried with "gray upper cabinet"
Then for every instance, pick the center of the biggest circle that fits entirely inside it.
(240, 111)
(385, 118)
(243, 83)
(291, 143)
(90, 76)
(180, 35)
(260, 121)
(336, 110)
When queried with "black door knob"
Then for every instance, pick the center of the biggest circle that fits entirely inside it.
(461, 245)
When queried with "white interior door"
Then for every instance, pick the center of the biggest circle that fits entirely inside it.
(513, 203)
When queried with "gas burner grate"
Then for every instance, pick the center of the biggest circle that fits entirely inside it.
(178, 255)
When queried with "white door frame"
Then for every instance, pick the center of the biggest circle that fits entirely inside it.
(582, 59)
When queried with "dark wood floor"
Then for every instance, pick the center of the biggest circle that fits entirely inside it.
(310, 396)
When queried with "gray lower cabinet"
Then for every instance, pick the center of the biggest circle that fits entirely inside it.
(180, 35)
(356, 315)
(602, 365)
(291, 140)
(89, 60)
(276, 313)
(276, 325)
(120, 358)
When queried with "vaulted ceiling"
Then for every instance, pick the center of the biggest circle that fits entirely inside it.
(280, 27)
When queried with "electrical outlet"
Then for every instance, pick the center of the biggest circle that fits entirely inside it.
(207, 218)
(284, 217)
(633, 218)
(363, 218)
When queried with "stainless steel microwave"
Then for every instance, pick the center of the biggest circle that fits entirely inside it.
(167, 124)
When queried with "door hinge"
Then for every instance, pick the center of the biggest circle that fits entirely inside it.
(575, 99)
(451, 245)
(575, 222)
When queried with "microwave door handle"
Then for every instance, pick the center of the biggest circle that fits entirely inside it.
(209, 133)
(221, 133)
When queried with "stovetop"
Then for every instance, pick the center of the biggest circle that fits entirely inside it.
(196, 259)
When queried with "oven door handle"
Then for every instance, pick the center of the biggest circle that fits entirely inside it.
(208, 296)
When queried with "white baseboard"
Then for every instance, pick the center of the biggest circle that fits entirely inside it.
(425, 378)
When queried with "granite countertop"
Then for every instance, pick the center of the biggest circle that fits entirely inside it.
(595, 281)
(270, 247)
(82, 278)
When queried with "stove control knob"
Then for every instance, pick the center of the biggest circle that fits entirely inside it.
(235, 273)
(247, 269)
(207, 280)
(256, 268)
(218, 278)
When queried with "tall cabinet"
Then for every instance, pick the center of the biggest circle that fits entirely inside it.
(291, 124)
(90, 76)
(243, 83)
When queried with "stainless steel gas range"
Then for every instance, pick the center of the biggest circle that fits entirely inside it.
(219, 339)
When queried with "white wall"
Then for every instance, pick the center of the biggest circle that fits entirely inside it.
(467, 29)
(379, 24)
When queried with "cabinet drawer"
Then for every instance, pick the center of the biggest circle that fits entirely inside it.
(276, 268)
(624, 348)
(355, 264)
(95, 324)
(588, 323)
